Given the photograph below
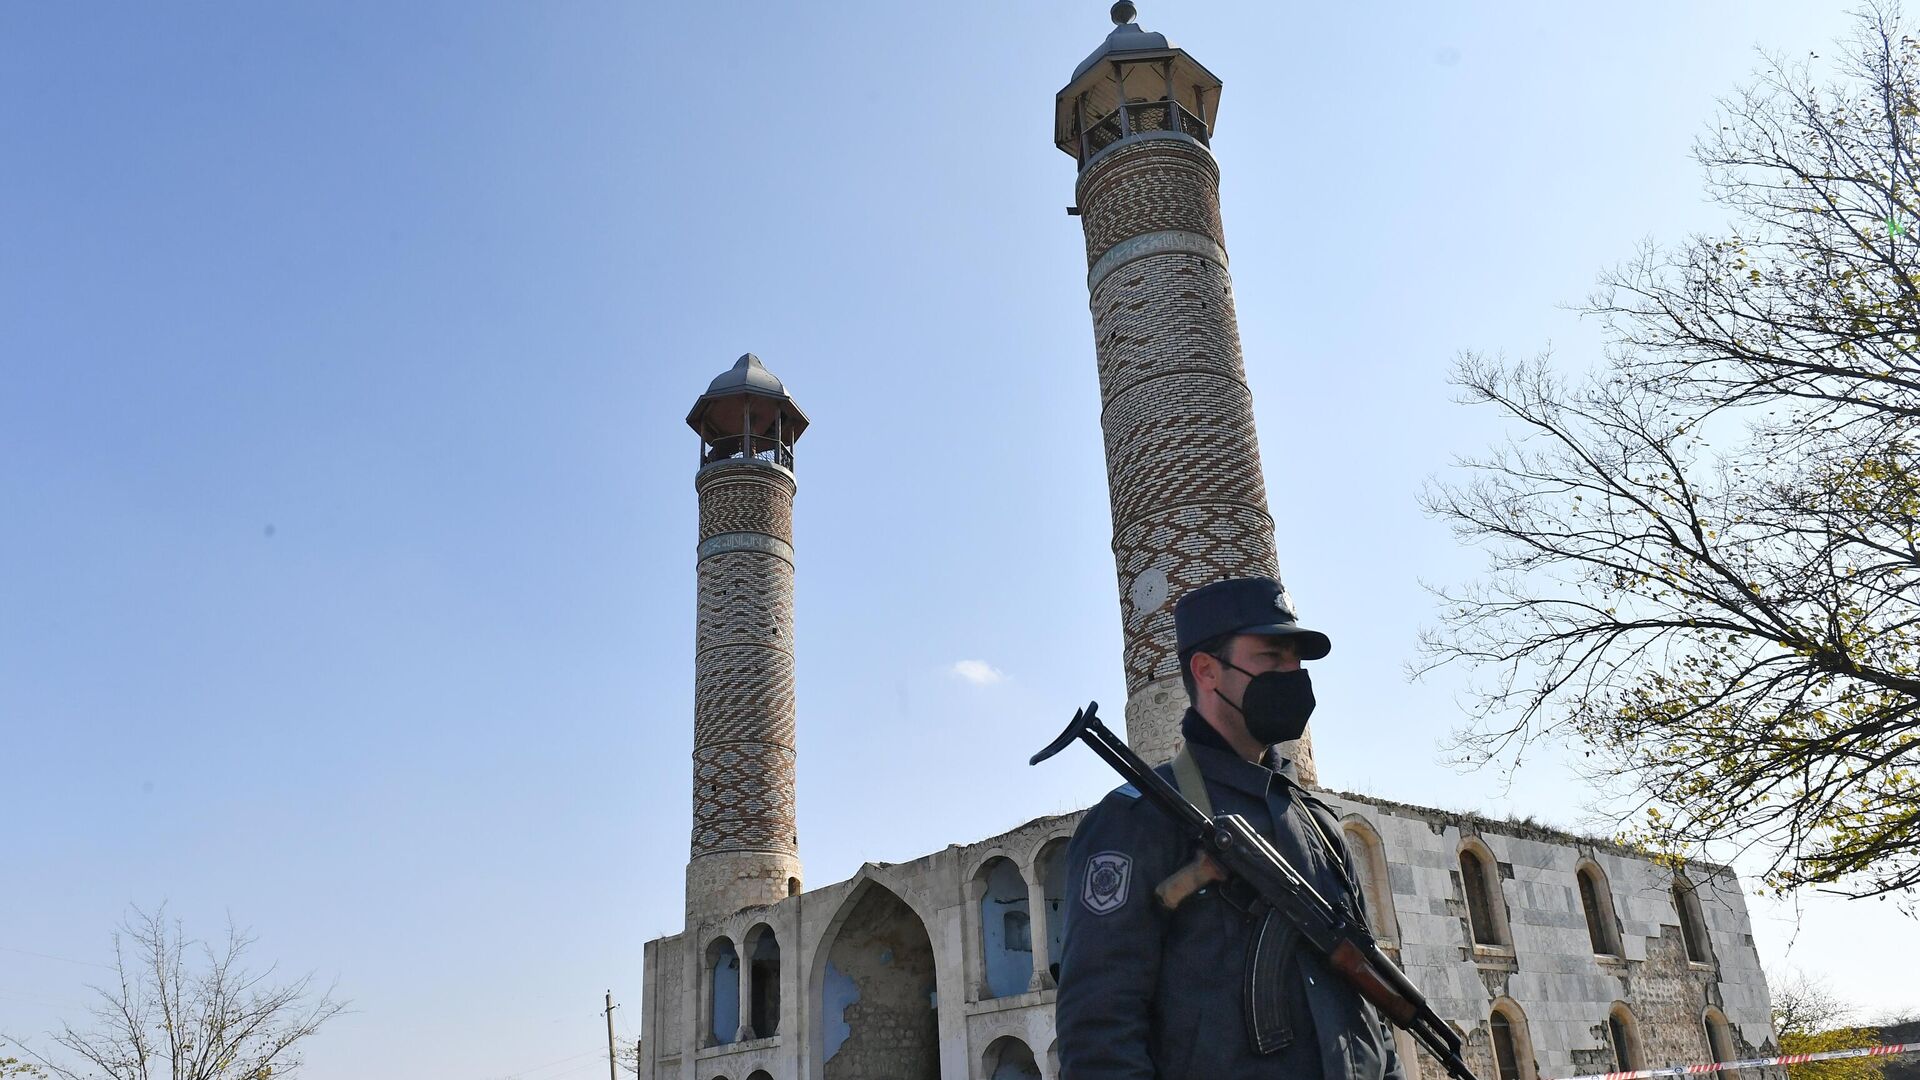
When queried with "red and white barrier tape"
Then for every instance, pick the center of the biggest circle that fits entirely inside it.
(1756, 1063)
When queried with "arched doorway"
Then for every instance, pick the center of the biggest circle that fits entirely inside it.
(1007, 1058)
(876, 993)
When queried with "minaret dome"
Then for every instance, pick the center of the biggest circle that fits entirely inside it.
(1136, 81)
(747, 413)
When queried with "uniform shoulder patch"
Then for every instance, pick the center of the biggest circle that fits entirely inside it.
(1127, 791)
(1108, 876)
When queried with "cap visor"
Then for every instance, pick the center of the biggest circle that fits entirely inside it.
(1313, 646)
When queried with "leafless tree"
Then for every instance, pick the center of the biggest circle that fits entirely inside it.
(1704, 558)
(181, 1009)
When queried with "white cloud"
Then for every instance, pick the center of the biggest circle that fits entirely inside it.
(977, 672)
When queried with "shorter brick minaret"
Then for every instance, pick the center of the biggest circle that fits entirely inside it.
(746, 847)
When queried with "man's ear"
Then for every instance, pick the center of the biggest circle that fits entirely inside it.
(1193, 665)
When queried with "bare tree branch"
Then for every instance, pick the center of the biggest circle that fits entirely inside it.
(1703, 561)
(181, 1009)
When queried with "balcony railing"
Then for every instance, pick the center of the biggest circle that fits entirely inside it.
(748, 447)
(1136, 117)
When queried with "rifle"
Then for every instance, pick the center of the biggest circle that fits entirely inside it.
(1232, 849)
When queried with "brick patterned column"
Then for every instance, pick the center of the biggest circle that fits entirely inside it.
(1183, 462)
(745, 843)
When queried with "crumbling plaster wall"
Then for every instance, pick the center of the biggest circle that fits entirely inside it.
(887, 1027)
(1550, 972)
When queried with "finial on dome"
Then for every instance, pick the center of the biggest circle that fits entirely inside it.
(1124, 12)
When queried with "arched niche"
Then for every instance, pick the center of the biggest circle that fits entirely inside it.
(1009, 1058)
(1006, 929)
(1376, 887)
(722, 969)
(763, 981)
(874, 980)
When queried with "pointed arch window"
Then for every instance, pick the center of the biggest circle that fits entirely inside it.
(1505, 1058)
(1486, 916)
(1596, 901)
(1719, 1040)
(1693, 925)
(1623, 1032)
(1512, 1042)
(1376, 883)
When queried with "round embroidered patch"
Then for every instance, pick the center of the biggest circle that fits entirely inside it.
(1106, 882)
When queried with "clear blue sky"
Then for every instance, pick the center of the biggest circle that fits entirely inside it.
(346, 508)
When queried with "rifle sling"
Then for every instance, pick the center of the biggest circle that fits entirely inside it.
(1186, 774)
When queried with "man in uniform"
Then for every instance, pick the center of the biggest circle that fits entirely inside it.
(1208, 991)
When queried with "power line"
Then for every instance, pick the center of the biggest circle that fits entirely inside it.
(577, 1068)
(62, 959)
(10, 995)
(523, 1073)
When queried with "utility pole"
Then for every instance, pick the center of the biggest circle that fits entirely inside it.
(612, 1070)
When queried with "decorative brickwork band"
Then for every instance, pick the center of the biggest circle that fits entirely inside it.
(742, 798)
(725, 542)
(1160, 243)
(744, 844)
(746, 496)
(1184, 479)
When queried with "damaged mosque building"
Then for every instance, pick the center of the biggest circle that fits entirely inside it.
(1552, 954)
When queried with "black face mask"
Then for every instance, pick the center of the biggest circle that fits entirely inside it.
(1276, 704)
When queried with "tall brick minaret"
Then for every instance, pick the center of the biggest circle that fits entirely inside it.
(745, 845)
(1183, 463)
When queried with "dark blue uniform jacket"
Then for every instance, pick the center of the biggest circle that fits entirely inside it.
(1147, 994)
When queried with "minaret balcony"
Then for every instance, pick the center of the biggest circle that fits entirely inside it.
(1137, 117)
(768, 448)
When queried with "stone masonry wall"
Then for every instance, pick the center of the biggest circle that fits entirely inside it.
(1550, 975)
(1550, 972)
